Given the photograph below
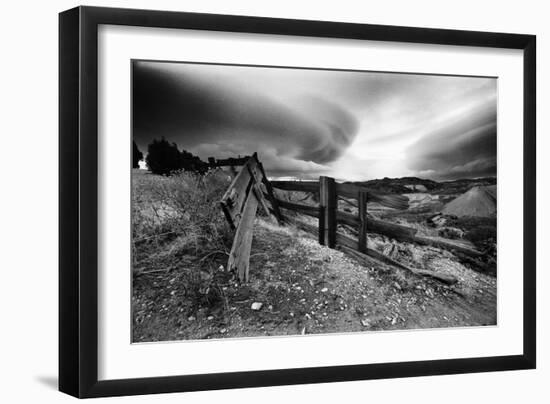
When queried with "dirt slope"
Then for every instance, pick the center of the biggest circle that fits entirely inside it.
(307, 288)
(477, 202)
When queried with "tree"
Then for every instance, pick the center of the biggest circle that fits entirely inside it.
(136, 156)
(163, 157)
(189, 162)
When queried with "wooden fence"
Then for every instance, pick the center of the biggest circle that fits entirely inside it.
(251, 189)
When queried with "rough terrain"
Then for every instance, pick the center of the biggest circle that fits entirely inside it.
(306, 288)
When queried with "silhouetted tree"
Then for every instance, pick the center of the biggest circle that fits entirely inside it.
(163, 157)
(189, 162)
(136, 156)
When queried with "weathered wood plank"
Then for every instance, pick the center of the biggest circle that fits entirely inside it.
(343, 240)
(447, 245)
(345, 245)
(345, 190)
(304, 186)
(390, 201)
(270, 194)
(239, 257)
(396, 231)
(328, 201)
(233, 200)
(406, 234)
(312, 211)
(256, 175)
(322, 225)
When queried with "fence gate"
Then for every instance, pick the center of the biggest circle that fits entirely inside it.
(240, 203)
(250, 190)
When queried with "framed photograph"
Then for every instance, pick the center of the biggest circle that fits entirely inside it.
(251, 201)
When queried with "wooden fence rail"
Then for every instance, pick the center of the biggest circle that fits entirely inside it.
(251, 189)
(329, 217)
(240, 204)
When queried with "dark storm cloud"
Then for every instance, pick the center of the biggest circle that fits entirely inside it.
(306, 122)
(464, 147)
(211, 116)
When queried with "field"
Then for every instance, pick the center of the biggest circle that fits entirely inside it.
(181, 289)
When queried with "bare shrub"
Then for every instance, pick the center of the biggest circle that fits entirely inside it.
(177, 216)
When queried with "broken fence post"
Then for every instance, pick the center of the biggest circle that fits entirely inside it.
(328, 204)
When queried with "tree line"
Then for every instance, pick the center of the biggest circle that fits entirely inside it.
(165, 158)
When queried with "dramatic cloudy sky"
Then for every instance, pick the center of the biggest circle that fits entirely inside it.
(304, 123)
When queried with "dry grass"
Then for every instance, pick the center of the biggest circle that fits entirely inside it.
(177, 216)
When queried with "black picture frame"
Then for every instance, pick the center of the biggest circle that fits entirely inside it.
(78, 201)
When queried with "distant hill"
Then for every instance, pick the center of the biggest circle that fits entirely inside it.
(463, 185)
(478, 201)
(399, 185)
(406, 185)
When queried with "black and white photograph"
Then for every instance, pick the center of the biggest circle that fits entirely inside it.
(278, 201)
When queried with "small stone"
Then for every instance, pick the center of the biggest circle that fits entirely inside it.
(191, 318)
(221, 268)
(223, 331)
(256, 306)
(210, 318)
(365, 323)
(397, 286)
(324, 290)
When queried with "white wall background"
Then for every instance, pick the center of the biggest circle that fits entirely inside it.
(28, 235)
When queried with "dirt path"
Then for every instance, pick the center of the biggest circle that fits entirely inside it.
(306, 288)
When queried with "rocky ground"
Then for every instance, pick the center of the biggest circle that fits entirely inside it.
(300, 287)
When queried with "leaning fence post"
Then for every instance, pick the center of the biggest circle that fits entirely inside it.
(327, 197)
(362, 199)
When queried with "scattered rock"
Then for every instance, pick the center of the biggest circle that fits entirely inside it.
(191, 318)
(256, 306)
(210, 318)
(324, 290)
